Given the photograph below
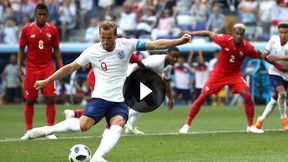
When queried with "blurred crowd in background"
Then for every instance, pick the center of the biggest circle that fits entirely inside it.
(78, 20)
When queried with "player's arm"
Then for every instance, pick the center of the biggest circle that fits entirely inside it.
(166, 43)
(170, 102)
(277, 58)
(60, 73)
(58, 57)
(20, 57)
(272, 60)
(203, 33)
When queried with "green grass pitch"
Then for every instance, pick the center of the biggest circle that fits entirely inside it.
(216, 134)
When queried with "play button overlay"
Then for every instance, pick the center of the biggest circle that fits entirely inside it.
(144, 90)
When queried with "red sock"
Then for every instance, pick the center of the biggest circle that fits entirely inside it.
(78, 113)
(50, 114)
(195, 108)
(249, 108)
(28, 115)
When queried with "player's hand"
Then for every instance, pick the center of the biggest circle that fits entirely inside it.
(273, 58)
(186, 37)
(184, 32)
(170, 104)
(40, 83)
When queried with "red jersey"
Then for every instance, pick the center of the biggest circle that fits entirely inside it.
(231, 57)
(40, 42)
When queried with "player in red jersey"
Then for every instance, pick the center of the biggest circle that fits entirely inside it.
(227, 71)
(40, 38)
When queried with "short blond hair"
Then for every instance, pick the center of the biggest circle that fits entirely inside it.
(107, 25)
(240, 26)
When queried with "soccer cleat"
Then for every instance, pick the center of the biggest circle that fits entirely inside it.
(259, 123)
(253, 129)
(25, 136)
(285, 124)
(130, 130)
(52, 136)
(184, 129)
(68, 114)
(136, 131)
(36, 132)
(98, 159)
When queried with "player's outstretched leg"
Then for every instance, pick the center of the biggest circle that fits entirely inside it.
(193, 112)
(69, 125)
(268, 110)
(130, 126)
(107, 143)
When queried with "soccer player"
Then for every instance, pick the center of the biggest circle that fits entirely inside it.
(109, 60)
(40, 38)
(279, 80)
(91, 82)
(227, 72)
(162, 65)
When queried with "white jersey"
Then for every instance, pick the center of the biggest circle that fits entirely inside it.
(155, 63)
(274, 47)
(212, 64)
(109, 67)
(201, 74)
(183, 73)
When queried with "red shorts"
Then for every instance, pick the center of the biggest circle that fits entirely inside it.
(91, 79)
(215, 82)
(30, 93)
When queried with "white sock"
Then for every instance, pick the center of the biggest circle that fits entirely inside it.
(269, 109)
(108, 141)
(68, 125)
(134, 117)
(282, 104)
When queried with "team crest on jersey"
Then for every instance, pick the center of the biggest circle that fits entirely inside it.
(48, 35)
(241, 54)
(121, 54)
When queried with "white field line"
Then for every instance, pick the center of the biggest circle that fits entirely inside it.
(148, 134)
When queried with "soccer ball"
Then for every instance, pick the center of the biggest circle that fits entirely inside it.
(79, 153)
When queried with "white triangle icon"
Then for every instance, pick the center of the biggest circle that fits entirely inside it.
(144, 91)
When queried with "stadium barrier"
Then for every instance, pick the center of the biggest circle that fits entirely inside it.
(67, 48)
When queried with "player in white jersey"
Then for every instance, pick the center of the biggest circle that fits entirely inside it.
(109, 60)
(162, 65)
(277, 48)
